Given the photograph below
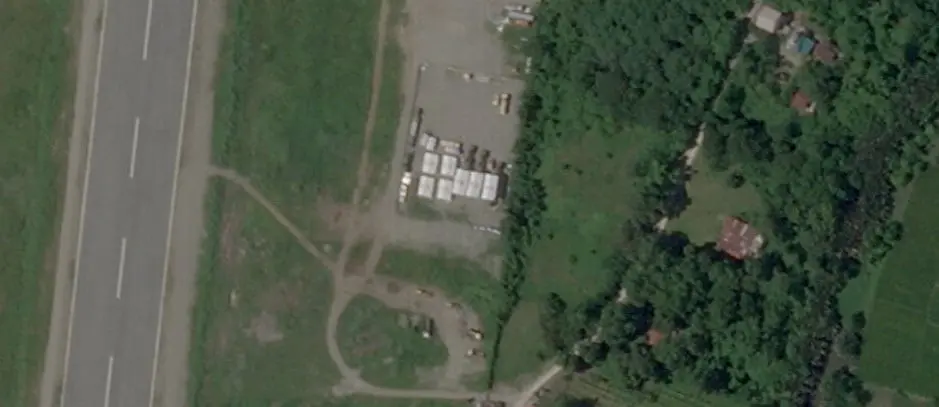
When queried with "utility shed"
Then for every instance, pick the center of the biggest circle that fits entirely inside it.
(739, 239)
(460, 182)
(430, 163)
(490, 187)
(448, 165)
(445, 190)
(475, 185)
(425, 187)
(766, 18)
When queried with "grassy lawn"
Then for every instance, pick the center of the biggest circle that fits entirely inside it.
(292, 97)
(259, 326)
(903, 326)
(712, 198)
(379, 341)
(362, 401)
(591, 386)
(35, 87)
(590, 193)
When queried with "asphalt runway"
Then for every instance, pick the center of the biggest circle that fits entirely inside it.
(140, 92)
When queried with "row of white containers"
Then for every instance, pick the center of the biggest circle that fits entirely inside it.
(466, 183)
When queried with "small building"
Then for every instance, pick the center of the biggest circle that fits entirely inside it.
(445, 190)
(430, 163)
(425, 187)
(448, 164)
(450, 147)
(802, 103)
(490, 187)
(461, 182)
(738, 239)
(825, 52)
(475, 185)
(654, 336)
(766, 17)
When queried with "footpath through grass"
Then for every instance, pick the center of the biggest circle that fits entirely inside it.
(292, 99)
(259, 326)
(903, 327)
(35, 88)
(386, 345)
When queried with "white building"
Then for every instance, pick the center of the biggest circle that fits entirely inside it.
(448, 165)
(430, 163)
(460, 182)
(766, 17)
(445, 190)
(490, 189)
(475, 185)
(425, 187)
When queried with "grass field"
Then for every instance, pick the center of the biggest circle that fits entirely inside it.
(292, 98)
(712, 198)
(267, 346)
(389, 353)
(902, 333)
(35, 87)
(590, 193)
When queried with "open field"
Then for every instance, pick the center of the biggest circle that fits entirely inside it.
(292, 98)
(591, 386)
(385, 347)
(459, 278)
(903, 326)
(579, 231)
(34, 120)
(712, 198)
(259, 327)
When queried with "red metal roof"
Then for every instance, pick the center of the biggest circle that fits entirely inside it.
(739, 239)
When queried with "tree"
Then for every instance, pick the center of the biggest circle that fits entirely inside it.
(844, 389)
(553, 319)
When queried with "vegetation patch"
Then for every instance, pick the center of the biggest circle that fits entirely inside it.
(460, 279)
(903, 324)
(386, 344)
(292, 98)
(35, 89)
(259, 327)
(667, 313)
(715, 195)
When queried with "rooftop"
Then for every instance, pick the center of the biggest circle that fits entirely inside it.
(825, 52)
(739, 239)
(766, 18)
(802, 102)
(654, 336)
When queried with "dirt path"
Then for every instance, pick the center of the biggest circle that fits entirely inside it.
(277, 214)
(404, 296)
(345, 286)
(362, 178)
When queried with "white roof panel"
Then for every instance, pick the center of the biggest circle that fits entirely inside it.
(490, 187)
(460, 182)
(475, 186)
(430, 163)
(448, 166)
(445, 190)
(425, 187)
(449, 147)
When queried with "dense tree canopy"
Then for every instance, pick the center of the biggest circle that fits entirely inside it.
(760, 329)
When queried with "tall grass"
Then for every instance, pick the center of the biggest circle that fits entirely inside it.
(34, 88)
